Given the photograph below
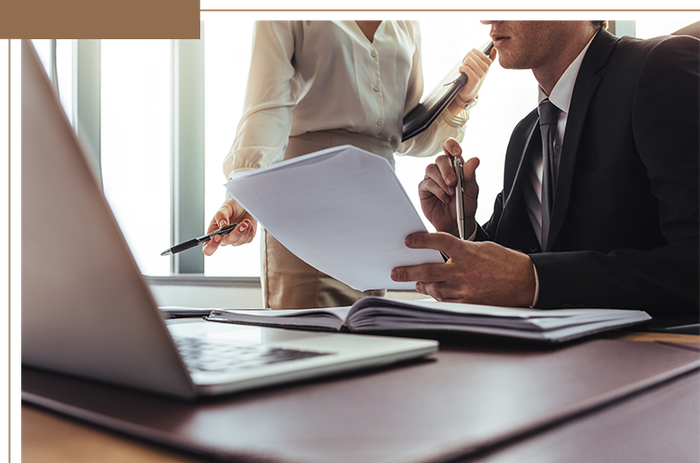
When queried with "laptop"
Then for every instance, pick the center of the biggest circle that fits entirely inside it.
(88, 312)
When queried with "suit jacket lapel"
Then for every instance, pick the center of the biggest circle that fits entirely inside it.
(586, 83)
(511, 224)
(517, 186)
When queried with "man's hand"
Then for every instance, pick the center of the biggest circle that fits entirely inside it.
(230, 212)
(477, 273)
(437, 190)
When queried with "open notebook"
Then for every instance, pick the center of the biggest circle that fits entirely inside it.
(87, 311)
(373, 315)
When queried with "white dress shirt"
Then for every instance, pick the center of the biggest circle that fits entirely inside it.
(310, 76)
(561, 98)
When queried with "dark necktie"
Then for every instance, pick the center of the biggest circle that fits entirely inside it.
(549, 115)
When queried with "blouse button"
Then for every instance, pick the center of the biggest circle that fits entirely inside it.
(374, 54)
(376, 88)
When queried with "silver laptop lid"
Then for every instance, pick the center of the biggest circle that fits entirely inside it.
(86, 309)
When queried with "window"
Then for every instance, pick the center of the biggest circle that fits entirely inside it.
(649, 29)
(136, 144)
(227, 40)
(60, 53)
(138, 102)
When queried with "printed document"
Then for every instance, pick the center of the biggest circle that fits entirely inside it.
(342, 210)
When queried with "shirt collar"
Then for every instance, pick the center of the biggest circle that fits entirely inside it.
(564, 88)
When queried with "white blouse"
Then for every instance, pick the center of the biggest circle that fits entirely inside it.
(308, 76)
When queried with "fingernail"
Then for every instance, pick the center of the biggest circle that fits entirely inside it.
(242, 227)
(222, 223)
(409, 240)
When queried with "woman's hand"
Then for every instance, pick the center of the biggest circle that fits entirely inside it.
(475, 65)
(230, 212)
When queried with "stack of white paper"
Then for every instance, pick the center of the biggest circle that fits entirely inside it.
(341, 210)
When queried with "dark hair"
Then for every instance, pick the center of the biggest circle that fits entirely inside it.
(600, 24)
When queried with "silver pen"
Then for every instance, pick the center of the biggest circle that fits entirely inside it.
(459, 195)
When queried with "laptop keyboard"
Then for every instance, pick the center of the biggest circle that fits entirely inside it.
(204, 355)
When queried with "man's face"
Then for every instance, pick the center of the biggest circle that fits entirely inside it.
(529, 44)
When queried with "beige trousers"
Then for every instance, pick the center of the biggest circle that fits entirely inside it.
(287, 281)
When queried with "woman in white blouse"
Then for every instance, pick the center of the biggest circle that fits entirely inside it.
(317, 84)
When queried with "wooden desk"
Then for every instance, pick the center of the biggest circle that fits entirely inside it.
(49, 437)
(684, 339)
(667, 414)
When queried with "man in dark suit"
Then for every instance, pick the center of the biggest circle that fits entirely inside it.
(621, 181)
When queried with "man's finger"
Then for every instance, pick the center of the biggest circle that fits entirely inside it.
(451, 147)
(428, 188)
(444, 242)
(440, 291)
(447, 170)
(431, 273)
(432, 172)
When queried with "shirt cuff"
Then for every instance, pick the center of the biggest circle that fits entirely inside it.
(537, 287)
(457, 120)
(463, 116)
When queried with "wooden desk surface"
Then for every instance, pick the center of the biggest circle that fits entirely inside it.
(688, 339)
(47, 436)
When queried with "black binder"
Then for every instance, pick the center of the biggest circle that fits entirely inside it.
(437, 101)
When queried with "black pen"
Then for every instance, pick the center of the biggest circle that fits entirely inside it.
(202, 239)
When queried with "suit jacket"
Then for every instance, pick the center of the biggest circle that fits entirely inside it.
(624, 226)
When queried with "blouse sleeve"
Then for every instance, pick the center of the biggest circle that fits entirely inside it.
(263, 131)
(429, 142)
